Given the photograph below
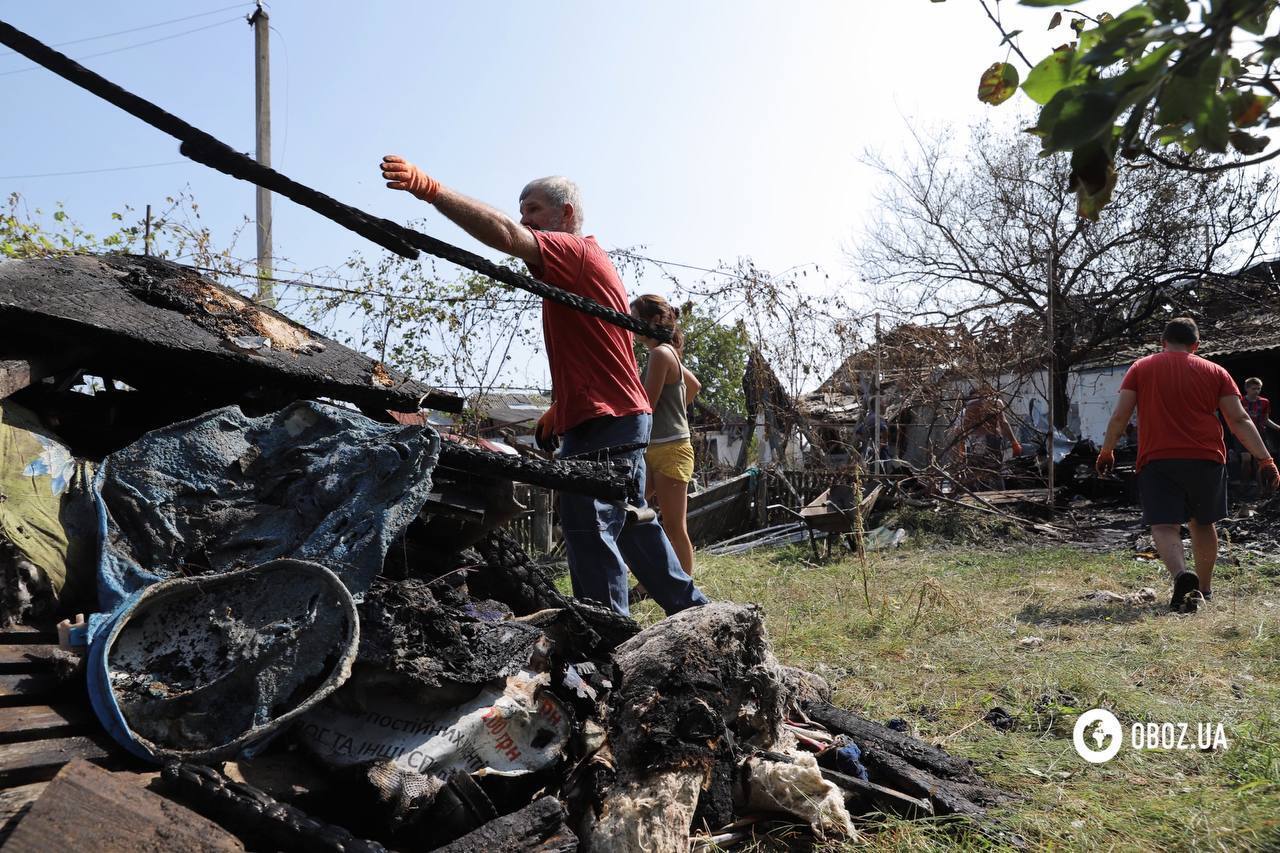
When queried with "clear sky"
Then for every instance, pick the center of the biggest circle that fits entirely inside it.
(705, 130)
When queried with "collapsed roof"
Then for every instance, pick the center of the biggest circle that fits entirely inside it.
(153, 324)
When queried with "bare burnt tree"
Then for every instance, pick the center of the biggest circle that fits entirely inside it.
(990, 230)
(797, 326)
(465, 333)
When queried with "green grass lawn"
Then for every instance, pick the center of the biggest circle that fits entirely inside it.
(940, 645)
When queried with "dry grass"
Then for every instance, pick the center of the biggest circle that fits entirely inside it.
(940, 646)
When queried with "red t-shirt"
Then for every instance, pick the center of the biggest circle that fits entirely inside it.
(1178, 397)
(1259, 411)
(593, 367)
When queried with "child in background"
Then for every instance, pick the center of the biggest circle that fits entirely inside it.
(1259, 410)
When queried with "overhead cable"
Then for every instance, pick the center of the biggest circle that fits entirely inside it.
(204, 148)
(127, 47)
(138, 29)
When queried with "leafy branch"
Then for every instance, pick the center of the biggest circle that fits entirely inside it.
(1153, 81)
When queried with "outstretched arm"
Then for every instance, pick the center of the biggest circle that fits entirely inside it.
(487, 224)
(1120, 418)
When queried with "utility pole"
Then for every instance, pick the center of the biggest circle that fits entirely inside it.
(262, 121)
(879, 465)
(1049, 383)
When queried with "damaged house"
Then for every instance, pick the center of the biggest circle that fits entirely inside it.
(1239, 329)
(925, 372)
(921, 374)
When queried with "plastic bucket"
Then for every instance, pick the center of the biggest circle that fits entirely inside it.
(201, 668)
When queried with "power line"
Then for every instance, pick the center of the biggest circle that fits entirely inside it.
(634, 256)
(284, 146)
(536, 389)
(136, 29)
(95, 171)
(530, 300)
(624, 253)
(387, 295)
(131, 46)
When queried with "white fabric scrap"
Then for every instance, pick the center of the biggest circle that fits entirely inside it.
(800, 790)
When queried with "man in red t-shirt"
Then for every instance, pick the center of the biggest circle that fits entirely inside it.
(601, 411)
(1182, 471)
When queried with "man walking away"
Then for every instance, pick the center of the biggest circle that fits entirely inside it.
(1182, 471)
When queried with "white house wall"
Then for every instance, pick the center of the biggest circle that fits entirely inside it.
(1096, 390)
(1092, 392)
(727, 447)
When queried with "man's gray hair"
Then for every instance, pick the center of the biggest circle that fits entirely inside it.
(560, 191)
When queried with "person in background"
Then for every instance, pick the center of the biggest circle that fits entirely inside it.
(1258, 408)
(983, 428)
(600, 411)
(1182, 471)
(670, 387)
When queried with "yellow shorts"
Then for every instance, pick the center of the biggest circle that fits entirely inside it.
(672, 459)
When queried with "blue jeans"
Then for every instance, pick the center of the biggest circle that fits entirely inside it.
(599, 548)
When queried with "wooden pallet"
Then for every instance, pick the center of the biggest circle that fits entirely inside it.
(43, 724)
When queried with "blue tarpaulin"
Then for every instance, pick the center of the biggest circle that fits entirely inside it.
(226, 491)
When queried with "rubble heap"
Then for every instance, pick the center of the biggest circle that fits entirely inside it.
(321, 632)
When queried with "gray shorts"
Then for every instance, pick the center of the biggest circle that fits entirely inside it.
(1174, 490)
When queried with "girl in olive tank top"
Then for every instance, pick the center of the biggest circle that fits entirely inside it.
(671, 387)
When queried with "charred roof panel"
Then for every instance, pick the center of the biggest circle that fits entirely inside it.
(149, 321)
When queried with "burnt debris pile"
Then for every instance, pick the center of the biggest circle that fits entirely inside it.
(310, 616)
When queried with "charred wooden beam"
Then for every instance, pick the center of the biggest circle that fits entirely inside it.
(539, 826)
(512, 577)
(911, 766)
(597, 479)
(875, 736)
(255, 816)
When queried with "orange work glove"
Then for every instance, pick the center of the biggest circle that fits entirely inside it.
(1269, 473)
(544, 434)
(1017, 447)
(1106, 462)
(403, 175)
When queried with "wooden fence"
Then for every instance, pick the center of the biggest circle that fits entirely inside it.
(796, 488)
(535, 531)
(533, 528)
(714, 513)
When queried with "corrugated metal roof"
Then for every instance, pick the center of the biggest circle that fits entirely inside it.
(511, 408)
